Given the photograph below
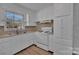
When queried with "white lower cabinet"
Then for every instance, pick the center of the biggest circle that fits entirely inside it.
(12, 45)
(42, 40)
(62, 47)
(60, 42)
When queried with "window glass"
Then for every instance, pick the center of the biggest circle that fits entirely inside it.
(13, 16)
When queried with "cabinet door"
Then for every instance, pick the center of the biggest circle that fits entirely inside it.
(5, 47)
(42, 40)
(20, 42)
(61, 43)
(63, 9)
(12, 45)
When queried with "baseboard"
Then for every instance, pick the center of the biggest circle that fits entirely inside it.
(75, 51)
(51, 52)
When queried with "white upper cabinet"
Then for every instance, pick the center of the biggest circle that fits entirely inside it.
(46, 13)
(56, 10)
(61, 9)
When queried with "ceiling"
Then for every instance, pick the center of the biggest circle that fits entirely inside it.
(36, 6)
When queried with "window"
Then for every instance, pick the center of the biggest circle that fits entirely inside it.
(13, 20)
(11, 16)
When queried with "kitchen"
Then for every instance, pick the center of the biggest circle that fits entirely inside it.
(46, 25)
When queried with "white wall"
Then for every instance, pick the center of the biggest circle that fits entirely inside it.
(62, 14)
(76, 29)
(18, 9)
